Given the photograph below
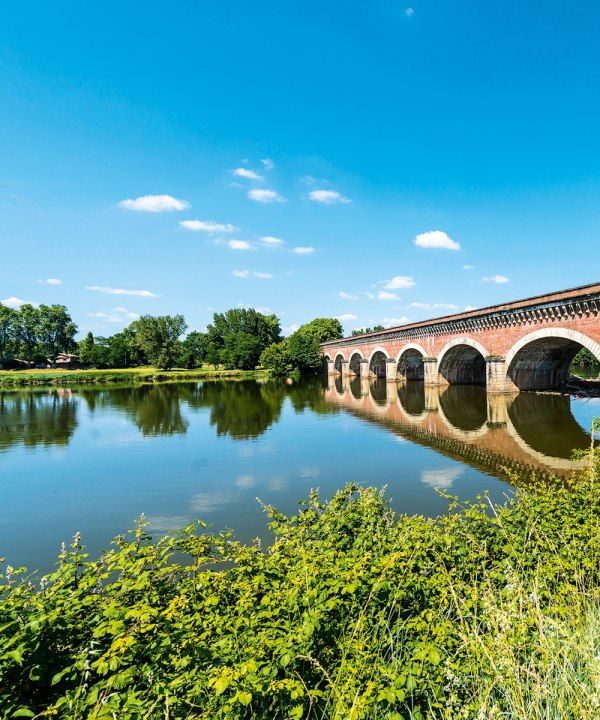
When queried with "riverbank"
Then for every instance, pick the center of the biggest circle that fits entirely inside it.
(354, 612)
(24, 378)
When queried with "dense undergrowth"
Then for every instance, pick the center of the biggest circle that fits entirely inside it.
(352, 612)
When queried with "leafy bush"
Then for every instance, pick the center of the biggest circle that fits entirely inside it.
(352, 612)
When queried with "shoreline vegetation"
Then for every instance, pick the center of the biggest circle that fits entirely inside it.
(353, 612)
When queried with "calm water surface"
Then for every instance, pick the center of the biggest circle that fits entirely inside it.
(95, 460)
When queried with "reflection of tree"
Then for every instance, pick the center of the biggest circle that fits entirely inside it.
(308, 395)
(155, 409)
(34, 419)
(240, 409)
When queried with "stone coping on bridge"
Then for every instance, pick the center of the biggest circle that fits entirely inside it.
(583, 293)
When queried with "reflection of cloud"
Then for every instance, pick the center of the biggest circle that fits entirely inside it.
(210, 501)
(443, 478)
(278, 482)
(164, 523)
(309, 472)
(244, 481)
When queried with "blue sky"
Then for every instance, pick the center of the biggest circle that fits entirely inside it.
(402, 159)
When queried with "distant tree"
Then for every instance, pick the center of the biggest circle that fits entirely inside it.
(193, 349)
(158, 337)
(8, 318)
(86, 350)
(276, 358)
(56, 330)
(27, 330)
(364, 331)
(304, 344)
(241, 352)
(264, 329)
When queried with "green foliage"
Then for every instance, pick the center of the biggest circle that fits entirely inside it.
(86, 350)
(158, 337)
(584, 358)
(8, 319)
(28, 330)
(353, 612)
(237, 337)
(193, 350)
(241, 351)
(304, 348)
(276, 358)
(364, 331)
(56, 330)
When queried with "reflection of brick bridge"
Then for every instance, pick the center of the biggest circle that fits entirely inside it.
(529, 434)
(522, 345)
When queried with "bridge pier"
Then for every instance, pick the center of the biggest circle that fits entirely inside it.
(391, 370)
(364, 368)
(330, 367)
(344, 368)
(432, 398)
(496, 376)
(431, 372)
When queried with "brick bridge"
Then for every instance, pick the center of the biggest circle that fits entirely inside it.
(523, 345)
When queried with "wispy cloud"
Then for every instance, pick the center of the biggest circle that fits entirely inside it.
(239, 244)
(265, 196)
(442, 478)
(347, 296)
(368, 294)
(116, 315)
(249, 174)
(433, 306)
(436, 239)
(470, 307)
(347, 316)
(51, 281)
(207, 226)
(400, 282)
(409, 12)
(496, 279)
(252, 273)
(268, 164)
(155, 203)
(393, 322)
(271, 241)
(303, 250)
(328, 197)
(15, 302)
(121, 291)
(382, 295)
(468, 267)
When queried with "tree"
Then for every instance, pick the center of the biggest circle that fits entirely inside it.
(86, 350)
(264, 329)
(276, 358)
(56, 330)
(304, 344)
(364, 331)
(194, 349)
(159, 336)
(241, 351)
(7, 332)
(28, 328)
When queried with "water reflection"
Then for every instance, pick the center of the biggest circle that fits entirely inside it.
(37, 418)
(529, 433)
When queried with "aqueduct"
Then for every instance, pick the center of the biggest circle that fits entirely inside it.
(523, 345)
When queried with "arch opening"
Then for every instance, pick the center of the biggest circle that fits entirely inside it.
(543, 363)
(463, 365)
(339, 359)
(355, 362)
(377, 364)
(411, 365)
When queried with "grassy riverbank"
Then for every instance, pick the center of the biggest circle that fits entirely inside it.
(24, 378)
(353, 612)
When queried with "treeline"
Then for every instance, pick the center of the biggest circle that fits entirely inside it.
(239, 339)
(35, 335)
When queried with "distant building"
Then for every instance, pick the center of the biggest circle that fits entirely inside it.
(64, 360)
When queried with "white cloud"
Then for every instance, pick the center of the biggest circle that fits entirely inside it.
(265, 196)
(368, 294)
(328, 197)
(51, 281)
(496, 279)
(436, 239)
(207, 226)
(470, 307)
(382, 295)
(249, 174)
(155, 203)
(239, 245)
(303, 250)
(409, 12)
(347, 296)
(248, 273)
(271, 241)
(116, 315)
(443, 478)
(393, 322)
(468, 267)
(120, 291)
(433, 306)
(15, 302)
(399, 282)
(290, 329)
(268, 163)
(347, 316)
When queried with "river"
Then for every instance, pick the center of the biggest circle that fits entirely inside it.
(94, 460)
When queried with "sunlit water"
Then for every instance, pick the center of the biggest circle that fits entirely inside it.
(94, 460)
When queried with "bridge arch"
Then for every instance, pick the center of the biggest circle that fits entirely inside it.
(377, 362)
(462, 362)
(355, 363)
(541, 359)
(337, 363)
(409, 362)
